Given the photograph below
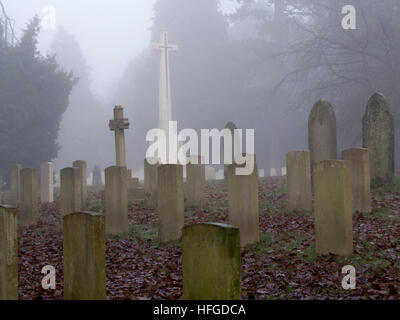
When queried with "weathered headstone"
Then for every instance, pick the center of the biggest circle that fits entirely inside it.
(118, 125)
(333, 208)
(150, 182)
(196, 181)
(360, 178)
(378, 137)
(84, 256)
(243, 203)
(28, 209)
(97, 181)
(15, 185)
(116, 200)
(170, 202)
(46, 182)
(8, 253)
(83, 167)
(211, 262)
(299, 181)
(322, 133)
(70, 190)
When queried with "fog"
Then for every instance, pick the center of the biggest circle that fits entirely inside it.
(122, 25)
(260, 64)
(110, 33)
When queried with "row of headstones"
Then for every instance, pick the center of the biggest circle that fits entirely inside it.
(299, 179)
(47, 180)
(24, 190)
(84, 238)
(341, 187)
(164, 190)
(84, 233)
(20, 178)
(164, 187)
(119, 187)
(73, 193)
(211, 252)
(333, 197)
(27, 179)
(377, 136)
(73, 190)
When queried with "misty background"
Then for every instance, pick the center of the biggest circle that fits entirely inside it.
(258, 63)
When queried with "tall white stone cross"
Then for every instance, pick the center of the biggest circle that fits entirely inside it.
(165, 104)
(119, 124)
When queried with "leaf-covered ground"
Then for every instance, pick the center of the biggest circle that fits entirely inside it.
(282, 266)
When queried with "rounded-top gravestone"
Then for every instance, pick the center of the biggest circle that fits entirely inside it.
(378, 137)
(322, 133)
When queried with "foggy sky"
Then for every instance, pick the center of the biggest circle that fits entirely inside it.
(107, 31)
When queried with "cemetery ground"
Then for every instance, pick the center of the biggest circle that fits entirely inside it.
(282, 266)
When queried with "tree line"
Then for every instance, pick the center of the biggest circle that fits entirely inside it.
(34, 93)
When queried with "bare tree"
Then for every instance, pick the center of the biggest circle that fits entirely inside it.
(346, 66)
(7, 34)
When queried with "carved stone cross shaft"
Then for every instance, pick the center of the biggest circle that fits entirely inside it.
(165, 104)
(118, 125)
